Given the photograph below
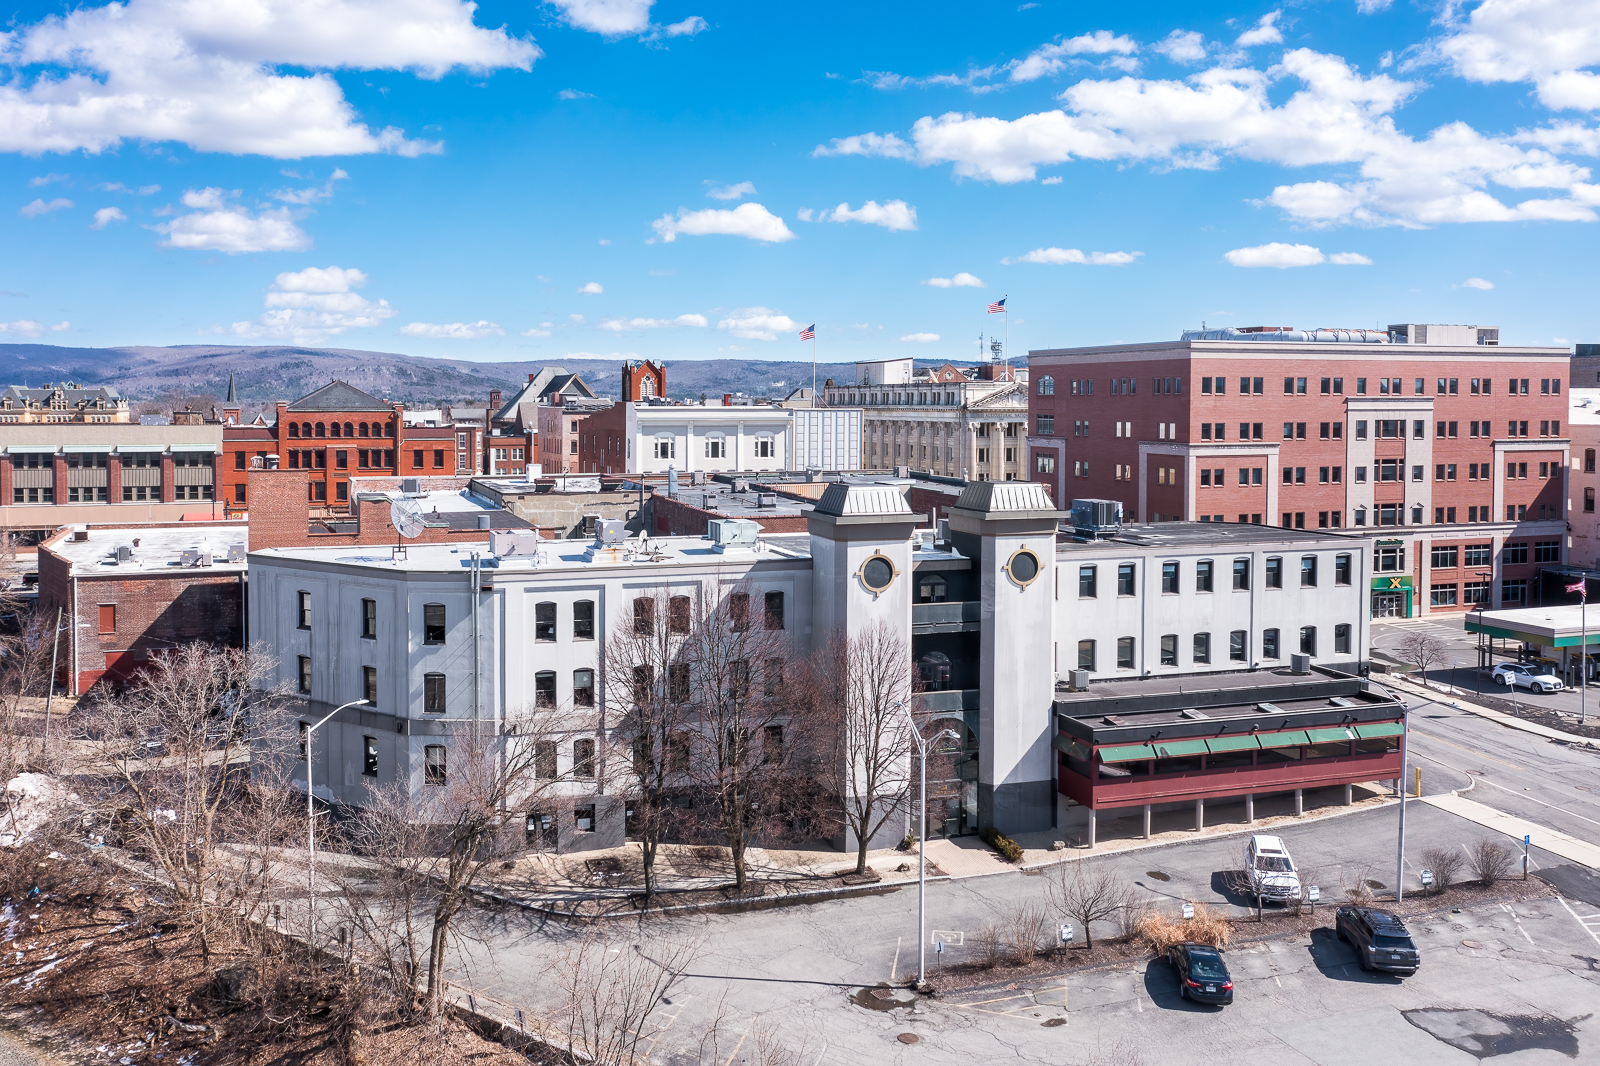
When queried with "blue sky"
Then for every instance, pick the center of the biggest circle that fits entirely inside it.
(693, 180)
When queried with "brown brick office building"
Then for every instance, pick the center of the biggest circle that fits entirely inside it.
(1456, 449)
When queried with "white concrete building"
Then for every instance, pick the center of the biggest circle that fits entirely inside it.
(744, 438)
(1583, 482)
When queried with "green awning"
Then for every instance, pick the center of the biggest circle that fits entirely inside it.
(1072, 746)
(1127, 753)
(1243, 742)
(1380, 729)
(1289, 738)
(1330, 736)
(1173, 749)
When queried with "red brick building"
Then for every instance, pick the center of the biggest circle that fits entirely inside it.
(1457, 449)
(339, 432)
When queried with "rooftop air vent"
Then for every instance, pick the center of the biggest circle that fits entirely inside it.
(1270, 708)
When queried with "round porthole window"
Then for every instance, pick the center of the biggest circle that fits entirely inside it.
(1023, 566)
(877, 573)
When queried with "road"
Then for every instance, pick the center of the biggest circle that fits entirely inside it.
(791, 970)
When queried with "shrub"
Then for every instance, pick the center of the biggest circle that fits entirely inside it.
(1490, 860)
(1160, 930)
(1446, 865)
(1009, 849)
(991, 944)
(1025, 925)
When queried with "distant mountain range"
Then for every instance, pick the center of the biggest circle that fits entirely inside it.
(267, 373)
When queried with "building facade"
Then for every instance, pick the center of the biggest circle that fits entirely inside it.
(969, 424)
(1457, 453)
(1583, 481)
(66, 402)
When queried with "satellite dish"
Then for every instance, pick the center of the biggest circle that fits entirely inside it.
(406, 518)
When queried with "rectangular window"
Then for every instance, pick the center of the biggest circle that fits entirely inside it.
(1274, 573)
(583, 620)
(1477, 555)
(1169, 578)
(1269, 644)
(433, 623)
(1202, 647)
(774, 610)
(583, 688)
(1241, 574)
(305, 675)
(544, 688)
(1125, 579)
(1444, 557)
(1547, 551)
(1202, 575)
(1308, 571)
(433, 768)
(1475, 592)
(1513, 591)
(1086, 582)
(108, 618)
(1169, 649)
(1238, 646)
(1308, 634)
(1442, 595)
(369, 685)
(304, 613)
(1085, 655)
(1124, 653)
(433, 693)
(369, 619)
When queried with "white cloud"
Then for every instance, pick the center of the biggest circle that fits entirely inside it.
(1049, 59)
(220, 226)
(107, 215)
(536, 333)
(894, 215)
(314, 194)
(117, 186)
(758, 324)
(574, 94)
(311, 305)
(687, 28)
(1276, 255)
(457, 331)
(27, 327)
(606, 241)
(1182, 46)
(731, 192)
(593, 288)
(920, 338)
(747, 220)
(575, 318)
(1334, 117)
(613, 18)
(1053, 180)
(39, 207)
(1265, 32)
(961, 280)
(627, 325)
(1369, 7)
(1545, 42)
(211, 75)
(1059, 256)
(46, 179)
(1349, 259)
(1477, 283)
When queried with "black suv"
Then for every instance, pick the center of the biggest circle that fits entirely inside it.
(1202, 975)
(1380, 939)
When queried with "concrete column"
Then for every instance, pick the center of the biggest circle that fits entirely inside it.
(1349, 795)
(1299, 801)
(1093, 821)
(1147, 821)
(1199, 815)
(1250, 807)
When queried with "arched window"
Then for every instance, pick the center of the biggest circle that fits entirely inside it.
(583, 688)
(931, 589)
(364, 429)
(294, 429)
(1047, 386)
(544, 688)
(305, 429)
(388, 429)
(322, 430)
(349, 430)
(333, 430)
(933, 670)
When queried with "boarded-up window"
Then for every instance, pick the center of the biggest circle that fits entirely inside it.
(108, 618)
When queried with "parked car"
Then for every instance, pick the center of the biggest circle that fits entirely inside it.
(1538, 677)
(1202, 975)
(1380, 939)
(1271, 870)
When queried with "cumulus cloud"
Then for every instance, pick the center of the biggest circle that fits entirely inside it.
(920, 338)
(1182, 46)
(1276, 254)
(1049, 59)
(117, 186)
(1546, 42)
(314, 194)
(627, 325)
(218, 225)
(758, 324)
(687, 28)
(27, 327)
(46, 179)
(1477, 283)
(1335, 118)
(574, 94)
(1060, 256)
(593, 288)
(624, 18)
(40, 207)
(731, 192)
(456, 331)
(961, 280)
(747, 220)
(1265, 31)
(212, 75)
(1349, 259)
(107, 215)
(1054, 179)
(894, 215)
(311, 305)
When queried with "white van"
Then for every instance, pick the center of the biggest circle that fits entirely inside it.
(1271, 870)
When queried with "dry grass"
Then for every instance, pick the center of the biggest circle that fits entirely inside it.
(1161, 930)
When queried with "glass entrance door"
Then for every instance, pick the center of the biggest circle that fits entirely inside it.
(1388, 605)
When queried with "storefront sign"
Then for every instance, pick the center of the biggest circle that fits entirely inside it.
(1392, 583)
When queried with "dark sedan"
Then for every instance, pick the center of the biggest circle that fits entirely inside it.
(1202, 975)
(1380, 938)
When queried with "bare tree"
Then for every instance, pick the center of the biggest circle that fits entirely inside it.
(1489, 860)
(1087, 894)
(647, 692)
(1422, 651)
(857, 699)
(173, 778)
(1445, 864)
(610, 991)
(734, 755)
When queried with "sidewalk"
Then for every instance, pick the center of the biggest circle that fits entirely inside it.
(1551, 840)
(1511, 721)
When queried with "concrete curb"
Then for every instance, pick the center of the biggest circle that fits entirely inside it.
(1500, 717)
(734, 906)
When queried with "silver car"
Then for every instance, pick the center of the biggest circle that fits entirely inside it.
(1536, 677)
(1271, 871)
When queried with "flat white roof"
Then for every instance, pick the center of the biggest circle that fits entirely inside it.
(158, 549)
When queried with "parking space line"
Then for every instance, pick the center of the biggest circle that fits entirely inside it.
(1581, 921)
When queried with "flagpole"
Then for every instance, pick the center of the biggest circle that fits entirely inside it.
(1583, 658)
(814, 402)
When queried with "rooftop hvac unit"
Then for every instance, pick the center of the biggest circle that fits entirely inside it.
(902, 471)
(697, 477)
(924, 540)
(766, 499)
(1078, 679)
(610, 531)
(741, 484)
(732, 533)
(1094, 519)
(189, 557)
(485, 521)
(124, 553)
(1299, 663)
(709, 501)
(236, 553)
(411, 486)
(503, 543)
(944, 531)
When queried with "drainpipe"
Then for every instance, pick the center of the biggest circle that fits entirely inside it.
(476, 577)
(73, 687)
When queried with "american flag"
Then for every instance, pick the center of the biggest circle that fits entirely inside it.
(1579, 586)
(809, 333)
(998, 307)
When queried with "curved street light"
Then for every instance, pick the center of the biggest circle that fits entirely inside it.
(922, 838)
(311, 825)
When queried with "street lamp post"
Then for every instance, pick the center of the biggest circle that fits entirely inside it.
(1400, 859)
(922, 841)
(311, 824)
